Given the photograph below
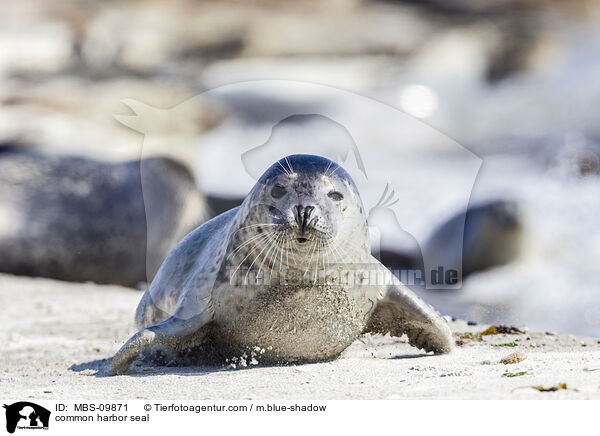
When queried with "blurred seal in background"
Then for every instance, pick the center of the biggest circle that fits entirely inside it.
(78, 219)
(493, 233)
(492, 236)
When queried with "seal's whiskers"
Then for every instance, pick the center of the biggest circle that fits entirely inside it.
(247, 242)
(284, 169)
(254, 248)
(289, 165)
(258, 256)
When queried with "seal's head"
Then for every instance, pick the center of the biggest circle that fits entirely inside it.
(308, 203)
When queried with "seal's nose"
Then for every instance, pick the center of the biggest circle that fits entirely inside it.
(303, 214)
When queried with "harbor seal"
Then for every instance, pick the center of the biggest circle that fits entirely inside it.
(491, 232)
(289, 272)
(79, 219)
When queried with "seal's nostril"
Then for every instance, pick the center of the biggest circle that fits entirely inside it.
(299, 215)
(303, 214)
(308, 210)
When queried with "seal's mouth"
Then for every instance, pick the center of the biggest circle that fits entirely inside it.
(301, 240)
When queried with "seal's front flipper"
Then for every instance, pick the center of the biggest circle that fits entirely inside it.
(400, 311)
(170, 333)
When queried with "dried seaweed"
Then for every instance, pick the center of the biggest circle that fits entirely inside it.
(464, 338)
(516, 374)
(558, 387)
(508, 344)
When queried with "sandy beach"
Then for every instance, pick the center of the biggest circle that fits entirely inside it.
(58, 339)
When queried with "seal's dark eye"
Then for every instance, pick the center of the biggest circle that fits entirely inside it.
(278, 191)
(335, 196)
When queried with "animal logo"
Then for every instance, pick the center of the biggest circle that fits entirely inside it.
(386, 232)
(26, 415)
(311, 133)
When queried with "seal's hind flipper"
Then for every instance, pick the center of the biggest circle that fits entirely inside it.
(400, 311)
(170, 332)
